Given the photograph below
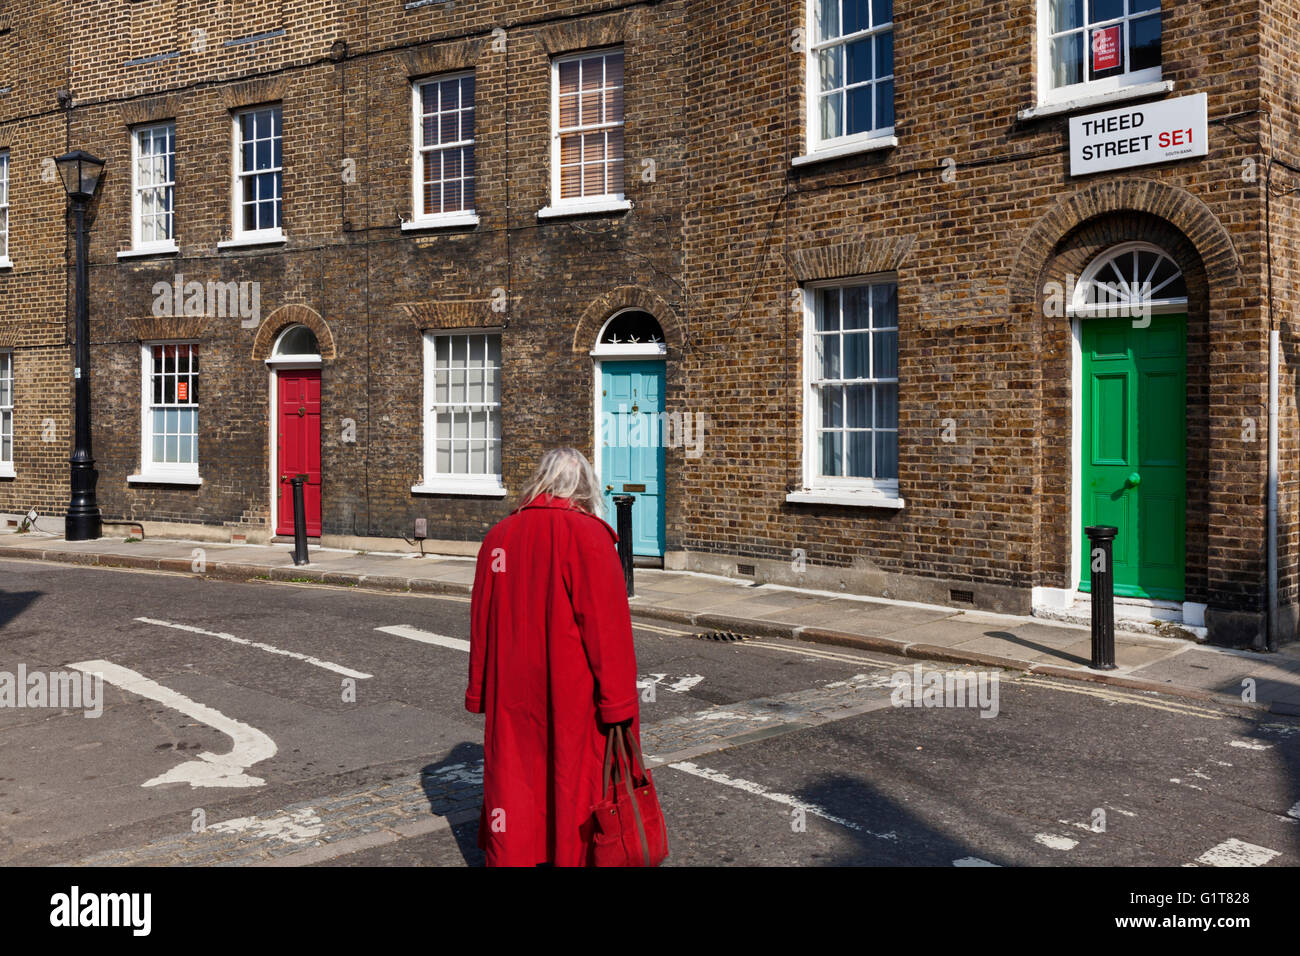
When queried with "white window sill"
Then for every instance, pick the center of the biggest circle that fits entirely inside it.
(141, 251)
(845, 149)
(584, 208)
(1087, 101)
(449, 220)
(162, 478)
(452, 486)
(266, 239)
(860, 499)
(7, 471)
(6, 262)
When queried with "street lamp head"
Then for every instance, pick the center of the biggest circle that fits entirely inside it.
(80, 172)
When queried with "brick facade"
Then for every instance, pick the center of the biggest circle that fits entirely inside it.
(973, 212)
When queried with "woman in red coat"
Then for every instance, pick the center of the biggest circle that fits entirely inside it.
(551, 665)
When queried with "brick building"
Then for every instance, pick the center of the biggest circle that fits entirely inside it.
(905, 298)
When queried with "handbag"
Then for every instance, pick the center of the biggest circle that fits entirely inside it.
(629, 828)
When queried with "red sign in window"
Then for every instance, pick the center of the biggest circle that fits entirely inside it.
(1105, 49)
(182, 391)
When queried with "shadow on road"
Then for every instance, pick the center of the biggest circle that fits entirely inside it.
(453, 785)
(14, 603)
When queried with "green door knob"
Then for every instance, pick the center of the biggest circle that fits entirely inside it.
(1134, 480)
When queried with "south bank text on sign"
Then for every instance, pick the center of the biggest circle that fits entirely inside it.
(1138, 135)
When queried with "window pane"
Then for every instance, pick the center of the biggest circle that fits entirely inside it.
(830, 345)
(1067, 60)
(832, 406)
(858, 54)
(832, 446)
(885, 355)
(882, 12)
(884, 306)
(884, 104)
(886, 455)
(828, 309)
(832, 115)
(857, 15)
(1144, 52)
(857, 307)
(858, 404)
(859, 455)
(885, 53)
(827, 18)
(886, 406)
(1066, 15)
(1141, 6)
(1104, 10)
(859, 118)
(857, 355)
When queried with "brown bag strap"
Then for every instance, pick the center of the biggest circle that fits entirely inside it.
(620, 737)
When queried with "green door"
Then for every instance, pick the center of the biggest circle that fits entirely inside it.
(1135, 450)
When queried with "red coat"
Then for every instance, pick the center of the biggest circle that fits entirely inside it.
(551, 658)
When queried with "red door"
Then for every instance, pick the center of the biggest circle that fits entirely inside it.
(298, 426)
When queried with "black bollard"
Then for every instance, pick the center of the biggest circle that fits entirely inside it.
(299, 520)
(623, 505)
(1102, 575)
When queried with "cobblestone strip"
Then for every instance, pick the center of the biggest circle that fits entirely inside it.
(455, 790)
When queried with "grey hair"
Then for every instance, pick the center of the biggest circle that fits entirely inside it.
(565, 473)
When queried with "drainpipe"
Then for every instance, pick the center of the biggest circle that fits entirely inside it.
(1272, 488)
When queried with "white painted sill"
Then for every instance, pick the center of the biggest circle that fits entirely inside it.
(845, 149)
(6, 262)
(1096, 99)
(584, 208)
(7, 471)
(484, 489)
(858, 499)
(161, 250)
(445, 221)
(157, 478)
(257, 240)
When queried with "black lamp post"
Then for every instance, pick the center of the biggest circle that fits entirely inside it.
(80, 172)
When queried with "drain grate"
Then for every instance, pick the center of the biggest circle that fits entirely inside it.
(730, 636)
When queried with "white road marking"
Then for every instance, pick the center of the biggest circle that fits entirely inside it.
(680, 686)
(1249, 745)
(426, 637)
(1054, 842)
(757, 789)
(209, 770)
(300, 827)
(1294, 813)
(1234, 852)
(305, 658)
(824, 655)
(660, 630)
(972, 861)
(1186, 710)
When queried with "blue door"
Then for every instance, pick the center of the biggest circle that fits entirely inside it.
(632, 447)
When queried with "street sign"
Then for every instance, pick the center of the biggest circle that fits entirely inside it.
(1138, 135)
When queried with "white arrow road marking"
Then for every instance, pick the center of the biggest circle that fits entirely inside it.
(1236, 852)
(315, 661)
(680, 686)
(425, 637)
(761, 791)
(972, 861)
(1054, 842)
(1294, 813)
(209, 770)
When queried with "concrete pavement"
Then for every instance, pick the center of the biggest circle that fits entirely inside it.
(1145, 661)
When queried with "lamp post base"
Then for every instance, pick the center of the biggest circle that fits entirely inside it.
(83, 521)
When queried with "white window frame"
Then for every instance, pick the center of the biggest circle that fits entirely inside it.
(137, 244)
(433, 481)
(240, 235)
(7, 414)
(1111, 87)
(866, 141)
(6, 167)
(841, 490)
(152, 472)
(605, 202)
(420, 217)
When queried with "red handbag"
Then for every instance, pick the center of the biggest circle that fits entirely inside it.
(629, 823)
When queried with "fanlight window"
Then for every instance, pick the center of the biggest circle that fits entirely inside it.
(632, 328)
(297, 341)
(1129, 276)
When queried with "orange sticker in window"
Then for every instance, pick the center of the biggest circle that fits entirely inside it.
(182, 391)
